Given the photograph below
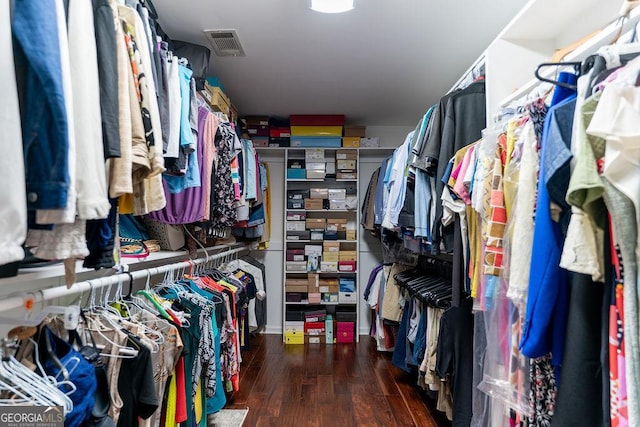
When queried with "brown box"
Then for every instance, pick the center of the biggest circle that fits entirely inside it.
(335, 226)
(257, 120)
(314, 339)
(318, 193)
(347, 256)
(346, 175)
(342, 165)
(315, 223)
(313, 284)
(331, 256)
(312, 204)
(329, 281)
(351, 141)
(355, 130)
(329, 289)
(351, 235)
(346, 155)
(331, 246)
(296, 285)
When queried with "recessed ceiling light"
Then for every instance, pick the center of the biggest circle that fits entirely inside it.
(331, 6)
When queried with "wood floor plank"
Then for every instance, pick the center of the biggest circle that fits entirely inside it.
(321, 385)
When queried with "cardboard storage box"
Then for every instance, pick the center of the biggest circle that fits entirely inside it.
(279, 132)
(298, 235)
(355, 130)
(256, 120)
(351, 235)
(330, 297)
(259, 130)
(294, 314)
(316, 141)
(314, 155)
(315, 223)
(314, 328)
(337, 204)
(313, 204)
(317, 119)
(314, 339)
(297, 288)
(295, 254)
(330, 256)
(346, 155)
(332, 226)
(333, 289)
(294, 326)
(296, 163)
(351, 141)
(279, 142)
(313, 282)
(259, 141)
(313, 250)
(331, 246)
(293, 297)
(347, 284)
(295, 226)
(347, 266)
(296, 173)
(297, 266)
(369, 142)
(346, 165)
(318, 193)
(336, 193)
(316, 165)
(296, 216)
(317, 235)
(294, 337)
(315, 297)
(297, 194)
(348, 255)
(335, 235)
(345, 175)
(316, 130)
(328, 326)
(345, 332)
(316, 174)
(347, 298)
(328, 266)
(295, 204)
(351, 202)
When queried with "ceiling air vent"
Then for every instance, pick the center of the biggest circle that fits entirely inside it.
(225, 42)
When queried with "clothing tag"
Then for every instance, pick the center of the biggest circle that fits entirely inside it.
(71, 317)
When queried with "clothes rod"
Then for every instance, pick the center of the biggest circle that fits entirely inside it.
(33, 297)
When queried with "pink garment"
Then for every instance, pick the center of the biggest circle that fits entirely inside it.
(459, 188)
(209, 155)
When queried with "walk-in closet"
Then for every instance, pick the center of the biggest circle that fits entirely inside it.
(319, 213)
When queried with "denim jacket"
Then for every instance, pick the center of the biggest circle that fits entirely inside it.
(44, 116)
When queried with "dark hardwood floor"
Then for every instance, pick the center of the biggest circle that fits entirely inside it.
(328, 385)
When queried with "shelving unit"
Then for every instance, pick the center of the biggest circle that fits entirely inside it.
(323, 212)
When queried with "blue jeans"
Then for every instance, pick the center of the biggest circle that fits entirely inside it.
(44, 117)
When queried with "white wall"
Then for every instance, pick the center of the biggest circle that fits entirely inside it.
(390, 136)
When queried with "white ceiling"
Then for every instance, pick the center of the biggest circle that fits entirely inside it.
(381, 64)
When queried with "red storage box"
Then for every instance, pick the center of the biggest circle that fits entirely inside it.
(345, 332)
(314, 328)
(295, 254)
(347, 266)
(317, 119)
(279, 132)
